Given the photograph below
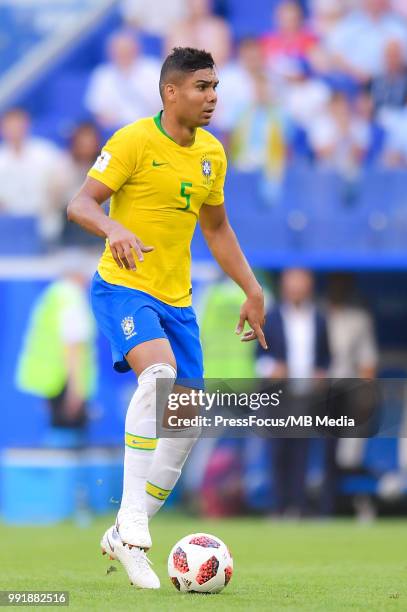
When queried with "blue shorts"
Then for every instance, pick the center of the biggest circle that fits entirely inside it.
(128, 317)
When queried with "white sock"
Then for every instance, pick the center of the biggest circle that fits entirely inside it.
(140, 434)
(168, 461)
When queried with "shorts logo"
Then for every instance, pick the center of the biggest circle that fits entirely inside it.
(102, 161)
(128, 327)
(206, 167)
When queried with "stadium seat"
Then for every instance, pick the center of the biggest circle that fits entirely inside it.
(19, 236)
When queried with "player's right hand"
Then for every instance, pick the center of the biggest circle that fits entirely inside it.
(123, 244)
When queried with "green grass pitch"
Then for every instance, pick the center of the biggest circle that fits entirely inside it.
(315, 566)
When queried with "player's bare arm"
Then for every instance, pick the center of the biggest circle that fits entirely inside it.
(85, 209)
(225, 248)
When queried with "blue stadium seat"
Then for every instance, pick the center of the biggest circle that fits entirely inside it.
(383, 204)
(66, 92)
(63, 108)
(311, 199)
(19, 236)
(17, 36)
(252, 18)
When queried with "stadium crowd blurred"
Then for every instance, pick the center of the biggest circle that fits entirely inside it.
(326, 85)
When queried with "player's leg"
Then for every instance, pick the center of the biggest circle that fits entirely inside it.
(130, 320)
(128, 539)
(169, 459)
(150, 361)
(172, 452)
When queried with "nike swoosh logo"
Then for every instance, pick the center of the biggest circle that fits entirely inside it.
(156, 164)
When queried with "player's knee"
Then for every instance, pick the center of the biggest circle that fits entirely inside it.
(157, 370)
(147, 381)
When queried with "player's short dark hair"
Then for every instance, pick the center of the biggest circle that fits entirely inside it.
(184, 60)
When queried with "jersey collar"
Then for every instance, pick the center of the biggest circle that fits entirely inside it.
(157, 121)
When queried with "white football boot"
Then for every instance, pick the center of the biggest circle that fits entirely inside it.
(132, 525)
(133, 559)
(106, 543)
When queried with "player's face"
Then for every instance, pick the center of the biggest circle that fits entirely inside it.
(196, 97)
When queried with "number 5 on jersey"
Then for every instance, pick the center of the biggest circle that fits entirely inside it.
(185, 195)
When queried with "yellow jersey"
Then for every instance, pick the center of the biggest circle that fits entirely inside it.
(159, 188)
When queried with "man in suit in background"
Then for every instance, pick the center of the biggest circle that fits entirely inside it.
(296, 334)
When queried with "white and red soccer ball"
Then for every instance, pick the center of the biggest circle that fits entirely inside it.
(200, 563)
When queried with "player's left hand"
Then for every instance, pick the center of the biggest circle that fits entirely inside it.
(252, 311)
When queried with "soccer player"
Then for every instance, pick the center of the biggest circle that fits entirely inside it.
(163, 174)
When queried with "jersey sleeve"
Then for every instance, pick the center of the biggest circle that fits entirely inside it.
(216, 195)
(116, 161)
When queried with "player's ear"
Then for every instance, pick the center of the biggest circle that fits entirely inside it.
(170, 91)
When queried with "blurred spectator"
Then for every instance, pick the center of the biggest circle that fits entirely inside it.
(289, 38)
(260, 139)
(126, 88)
(155, 18)
(237, 83)
(296, 334)
(358, 41)
(364, 110)
(296, 330)
(83, 151)
(27, 168)
(394, 123)
(325, 15)
(338, 138)
(400, 7)
(202, 30)
(389, 89)
(354, 355)
(225, 356)
(303, 96)
(221, 493)
(57, 360)
(351, 332)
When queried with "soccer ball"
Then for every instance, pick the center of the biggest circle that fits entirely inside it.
(200, 563)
